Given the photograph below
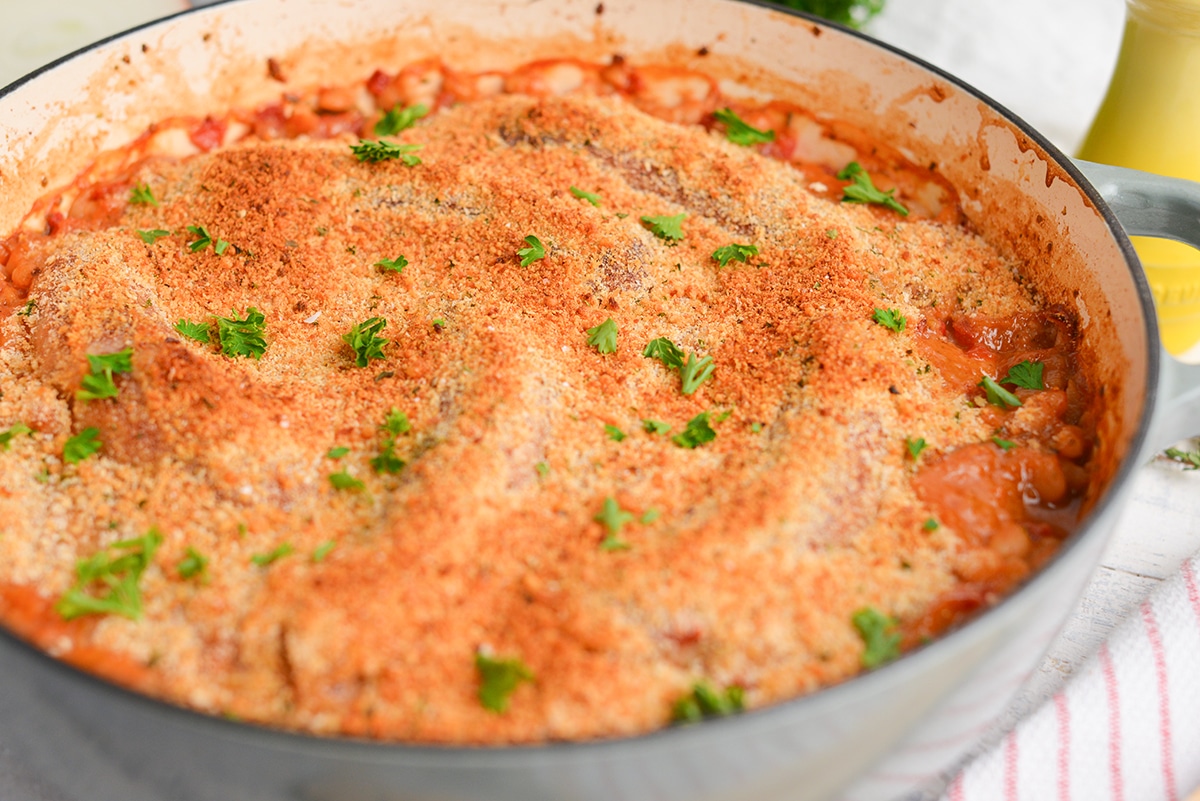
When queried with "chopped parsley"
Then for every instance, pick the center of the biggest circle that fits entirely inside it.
(280, 551)
(1004, 444)
(665, 351)
(152, 235)
(243, 336)
(603, 337)
(342, 480)
(337, 453)
(193, 564)
(28, 308)
(756, 428)
(695, 433)
(107, 583)
(321, 551)
(613, 518)
(705, 702)
(98, 383)
(649, 516)
(998, 395)
(862, 190)
(915, 446)
(365, 341)
(387, 461)
(82, 445)
(395, 265)
(931, 525)
(668, 228)
(655, 427)
(204, 239)
(13, 431)
(590, 197)
(880, 638)
(140, 195)
(695, 372)
(532, 251)
(1027, 375)
(196, 331)
(614, 433)
(890, 318)
(398, 119)
(1189, 459)
(498, 678)
(739, 131)
(396, 423)
(734, 252)
(542, 469)
(369, 151)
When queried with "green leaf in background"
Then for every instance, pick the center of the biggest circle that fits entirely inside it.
(852, 13)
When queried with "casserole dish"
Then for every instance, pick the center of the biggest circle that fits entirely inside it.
(785, 751)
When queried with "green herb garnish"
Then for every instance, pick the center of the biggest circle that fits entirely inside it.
(998, 395)
(243, 336)
(1027, 375)
(879, 635)
(323, 550)
(890, 318)
(1005, 444)
(364, 340)
(82, 445)
(695, 433)
(734, 252)
(590, 197)
(140, 195)
(665, 351)
(342, 480)
(196, 331)
(614, 433)
(280, 551)
(375, 151)
(398, 119)
(152, 235)
(396, 423)
(655, 427)
(668, 228)
(98, 383)
(204, 239)
(532, 251)
(862, 190)
(107, 583)
(603, 337)
(387, 461)
(542, 469)
(613, 518)
(1189, 459)
(695, 372)
(852, 13)
(705, 702)
(914, 446)
(739, 131)
(395, 265)
(498, 678)
(13, 431)
(336, 453)
(192, 564)
(931, 525)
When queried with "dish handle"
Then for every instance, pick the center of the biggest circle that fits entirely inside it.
(1168, 208)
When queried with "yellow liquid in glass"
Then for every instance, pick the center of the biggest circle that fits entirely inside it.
(1150, 120)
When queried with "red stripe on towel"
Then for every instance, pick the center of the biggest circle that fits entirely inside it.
(1164, 701)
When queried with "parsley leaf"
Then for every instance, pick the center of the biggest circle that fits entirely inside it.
(363, 339)
(656, 426)
(734, 252)
(398, 119)
(395, 265)
(1027, 375)
(705, 702)
(280, 551)
(396, 423)
(613, 518)
(99, 382)
(107, 583)
(197, 331)
(668, 228)
(387, 461)
(879, 635)
(998, 395)
(344, 481)
(533, 252)
(739, 131)
(337, 453)
(853, 13)
(862, 190)
(915, 446)
(614, 433)
(15, 430)
(590, 197)
(931, 525)
(372, 152)
(192, 564)
(498, 678)
(152, 235)
(321, 551)
(603, 337)
(82, 445)
(28, 308)
(695, 433)
(542, 469)
(1005, 444)
(665, 351)
(140, 195)
(694, 373)
(890, 318)
(204, 239)
(243, 336)
(1189, 459)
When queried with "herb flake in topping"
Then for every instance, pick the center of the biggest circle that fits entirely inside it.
(82, 445)
(365, 341)
(243, 336)
(590, 197)
(891, 319)
(665, 351)
(603, 337)
(613, 518)
(498, 678)
(323, 550)
(398, 119)
(734, 252)
(13, 431)
(395, 265)
(107, 583)
(614, 433)
(880, 638)
(695, 372)
(532, 251)
(915, 446)
(1004, 444)
(998, 395)
(140, 195)
(193, 564)
(695, 433)
(375, 151)
(342, 480)
(280, 551)
(152, 235)
(862, 190)
(656, 427)
(1027, 375)
(669, 228)
(705, 702)
(98, 383)
(741, 132)
(195, 331)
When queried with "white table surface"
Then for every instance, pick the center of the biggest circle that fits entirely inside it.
(1047, 61)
